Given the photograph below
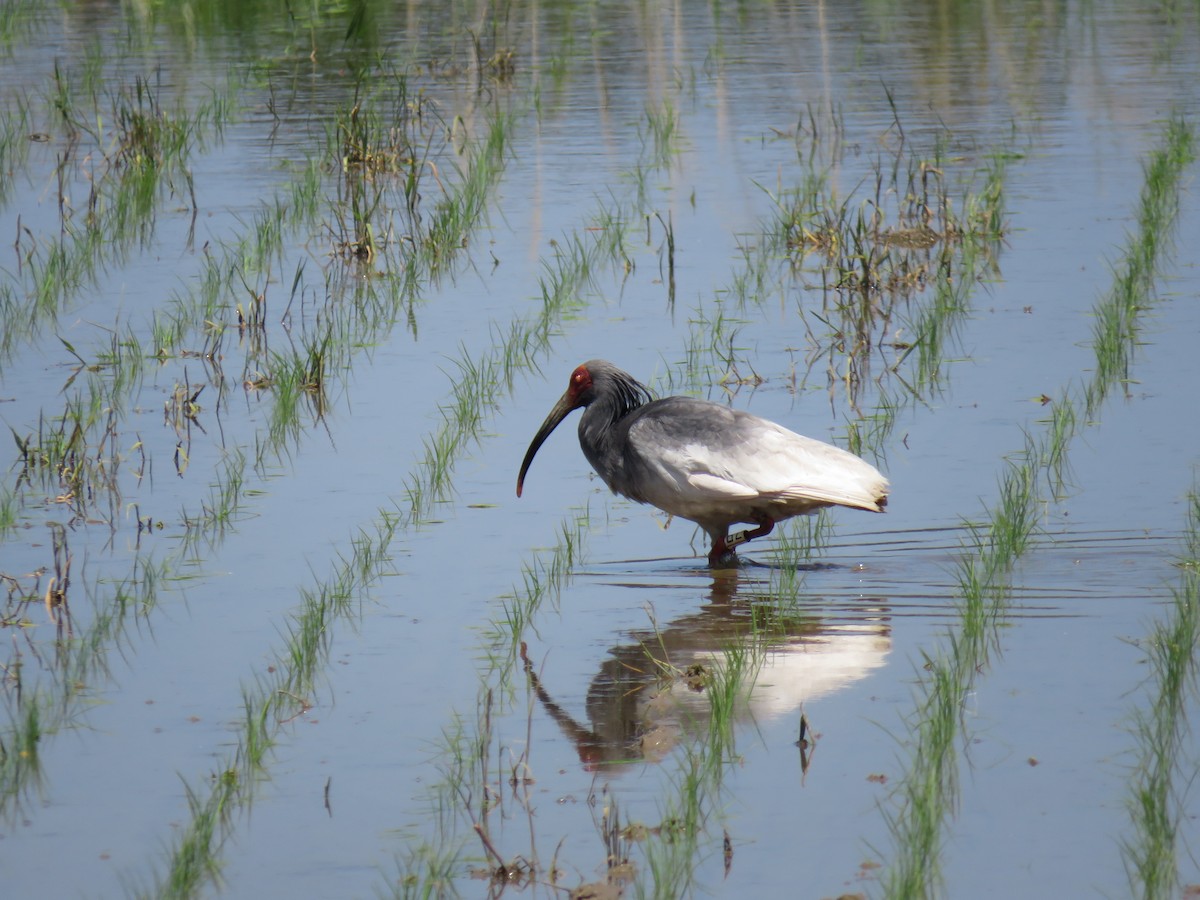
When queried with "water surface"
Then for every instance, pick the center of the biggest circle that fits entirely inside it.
(756, 99)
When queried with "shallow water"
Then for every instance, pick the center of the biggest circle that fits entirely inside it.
(1076, 96)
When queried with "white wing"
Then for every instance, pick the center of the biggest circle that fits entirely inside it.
(704, 453)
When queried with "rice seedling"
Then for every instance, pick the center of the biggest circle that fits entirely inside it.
(432, 865)
(9, 509)
(616, 841)
(803, 540)
(456, 215)
(300, 376)
(146, 136)
(876, 251)
(662, 130)
(18, 19)
(428, 870)
(197, 864)
(712, 337)
(48, 699)
(15, 128)
(384, 144)
(1116, 329)
(542, 581)
(220, 511)
(728, 685)
(565, 275)
(268, 705)
(235, 262)
(306, 643)
(501, 65)
(984, 211)
(670, 850)
(20, 761)
(934, 329)
(78, 455)
(670, 861)
(137, 161)
(60, 461)
(1161, 773)
(360, 163)
(929, 789)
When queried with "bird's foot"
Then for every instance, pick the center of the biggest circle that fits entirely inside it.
(722, 556)
(725, 559)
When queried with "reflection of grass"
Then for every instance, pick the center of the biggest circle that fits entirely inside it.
(929, 789)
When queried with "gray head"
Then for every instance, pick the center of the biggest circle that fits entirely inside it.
(595, 380)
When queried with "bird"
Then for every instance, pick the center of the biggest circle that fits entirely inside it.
(704, 462)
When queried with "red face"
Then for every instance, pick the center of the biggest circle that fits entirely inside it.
(581, 382)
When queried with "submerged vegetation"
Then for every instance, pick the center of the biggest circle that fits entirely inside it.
(278, 279)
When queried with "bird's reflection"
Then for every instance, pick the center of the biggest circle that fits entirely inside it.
(651, 691)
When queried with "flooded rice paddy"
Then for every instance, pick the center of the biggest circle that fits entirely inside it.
(285, 292)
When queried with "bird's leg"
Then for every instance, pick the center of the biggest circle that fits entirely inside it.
(723, 546)
(765, 527)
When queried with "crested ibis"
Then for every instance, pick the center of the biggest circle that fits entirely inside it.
(704, 462)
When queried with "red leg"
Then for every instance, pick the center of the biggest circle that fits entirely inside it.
(765, 527)
(723, 546)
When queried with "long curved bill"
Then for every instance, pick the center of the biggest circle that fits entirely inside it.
(563, 408)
